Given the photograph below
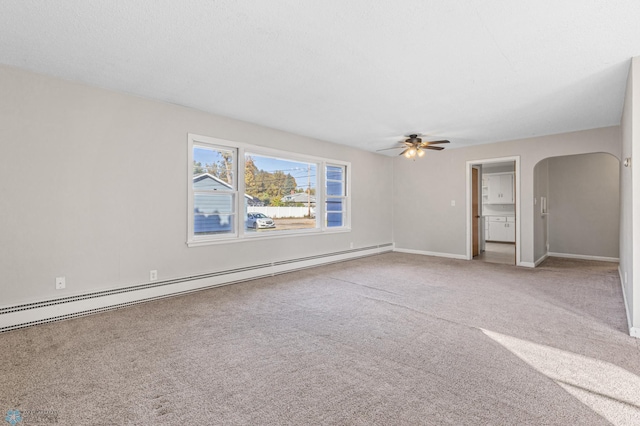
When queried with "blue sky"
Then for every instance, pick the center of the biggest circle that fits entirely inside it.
(300, 171)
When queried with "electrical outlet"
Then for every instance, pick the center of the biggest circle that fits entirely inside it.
(60, 283)
(351, 245)
(153, 275)
(453, 203)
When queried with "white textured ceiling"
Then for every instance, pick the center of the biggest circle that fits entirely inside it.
(357, 72)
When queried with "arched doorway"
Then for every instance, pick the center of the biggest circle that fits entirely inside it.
(577, 207)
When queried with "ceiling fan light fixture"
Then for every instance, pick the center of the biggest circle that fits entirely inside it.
(414, 147)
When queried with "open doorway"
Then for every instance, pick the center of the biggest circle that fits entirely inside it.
(493, 225)
(576, 207)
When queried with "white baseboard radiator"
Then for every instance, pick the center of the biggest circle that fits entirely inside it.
(29, 314)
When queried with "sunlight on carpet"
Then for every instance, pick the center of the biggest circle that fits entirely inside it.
(609, 390)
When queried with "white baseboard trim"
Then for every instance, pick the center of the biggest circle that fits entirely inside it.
(431, 253)
(584, 257)
(527, 264)
(542, 259)
(626, 306)
(634, 332)
(28, 314)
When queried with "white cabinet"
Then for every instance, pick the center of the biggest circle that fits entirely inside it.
(497, 188)
(501, 228)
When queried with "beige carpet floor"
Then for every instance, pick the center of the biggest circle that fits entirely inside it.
(394, 339)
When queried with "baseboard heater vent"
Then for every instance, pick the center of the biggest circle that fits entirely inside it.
(29, 314)
(131, 288)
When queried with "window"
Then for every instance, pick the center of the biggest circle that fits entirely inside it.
(282, 190)
(336, 195)
(281, 193)
(213, 191)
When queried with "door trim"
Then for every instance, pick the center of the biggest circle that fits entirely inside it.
(476, 222)
(469, 224)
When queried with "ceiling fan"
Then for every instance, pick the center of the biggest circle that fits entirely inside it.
(414, 146)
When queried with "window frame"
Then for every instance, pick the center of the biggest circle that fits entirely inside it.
(213, 144)
(345, 197)
(240, 234)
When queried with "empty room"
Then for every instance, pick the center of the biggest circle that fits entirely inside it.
(303, 213)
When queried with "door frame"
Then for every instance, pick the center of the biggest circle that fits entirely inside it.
(469, 224)
(477, 222)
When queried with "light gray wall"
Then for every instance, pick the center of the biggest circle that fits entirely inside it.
(629, 196)
(93, 187)
(498, 167)
(635, 142)
(540, 223)
(584, 205)
(424, 188)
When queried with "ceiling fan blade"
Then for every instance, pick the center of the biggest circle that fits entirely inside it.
(402, 153)
(437, 148)
(387, 149)
(435, 142)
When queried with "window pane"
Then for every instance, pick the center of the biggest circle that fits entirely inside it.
(334, 205)
(213, 214)
(212, 224)
(334, 219)
(212, 168)
(334, 188)
(334, 173)
(281, 189)
(213, 203)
